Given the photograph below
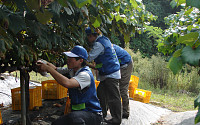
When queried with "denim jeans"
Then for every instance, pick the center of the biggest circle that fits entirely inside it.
(79, 118)
(109, 97)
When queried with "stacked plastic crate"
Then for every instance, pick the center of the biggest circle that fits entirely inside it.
(1, 121)
(97, 83)
(52, 90)
(136, 93)
(68, 106)
(142, 95)
(34, 94)
(133, 84)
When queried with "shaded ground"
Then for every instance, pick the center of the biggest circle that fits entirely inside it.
(50, 110)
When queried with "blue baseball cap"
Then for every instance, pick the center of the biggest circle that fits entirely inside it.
(89, 31)
(77, 51)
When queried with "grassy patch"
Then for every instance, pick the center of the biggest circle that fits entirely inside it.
(179, 102)
(36, 77)
(170, 99)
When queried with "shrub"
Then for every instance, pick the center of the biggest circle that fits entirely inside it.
(154, 71)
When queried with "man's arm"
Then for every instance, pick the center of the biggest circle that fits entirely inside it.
(97, 49)
(64, 81)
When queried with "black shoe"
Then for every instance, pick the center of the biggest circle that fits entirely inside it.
(110, 122)
(125, 116)
(104, 123)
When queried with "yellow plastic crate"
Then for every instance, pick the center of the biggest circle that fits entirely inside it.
(1, 121)
(52, 90)
(133, 83)
(35, 96)
(142, 95)
(97, 83)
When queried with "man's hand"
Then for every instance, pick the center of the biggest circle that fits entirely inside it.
(46, 65)
(43, 67)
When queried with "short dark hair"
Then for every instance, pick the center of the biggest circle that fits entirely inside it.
(83, 63)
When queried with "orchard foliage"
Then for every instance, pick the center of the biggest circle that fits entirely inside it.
(182, 39)
(33, 29)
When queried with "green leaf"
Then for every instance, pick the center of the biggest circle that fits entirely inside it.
(107, 5)
(140, 32)
(33, 4)
(177, 53)
(35, 26)
(97, 22)
(188, 38)
(126, 38)
(193, 3)
(69, 12)
(189, 28)
(197, 104)
(93, 10)
(134, 3)
(63, 2)
(2, 46)
(124, 20)
(56, 7)
(42, 42)
(20, 4)
(3, 32)
(173, 4)
(81, 3)
(16, 23)
(117, 17)
(181, 2)
(197, 101)
(117, 7)
(191, 56)
(197, 117)
(44, 17)
(175, 64)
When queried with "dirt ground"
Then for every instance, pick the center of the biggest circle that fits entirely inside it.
(178, 118)
(140, 114)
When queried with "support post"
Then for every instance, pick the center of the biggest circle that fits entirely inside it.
(23, 101)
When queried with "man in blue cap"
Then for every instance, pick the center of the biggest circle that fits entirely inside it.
(85, 106)
(126, 68)
(109, 75)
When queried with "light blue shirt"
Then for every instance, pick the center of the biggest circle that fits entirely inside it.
(98, 49)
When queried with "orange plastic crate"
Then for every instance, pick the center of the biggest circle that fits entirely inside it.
(52, 90)
(142, 95)
(35, 95)
(97, 83)
(1, 121)
(133, 83)
(131, 92)
(67, 106)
